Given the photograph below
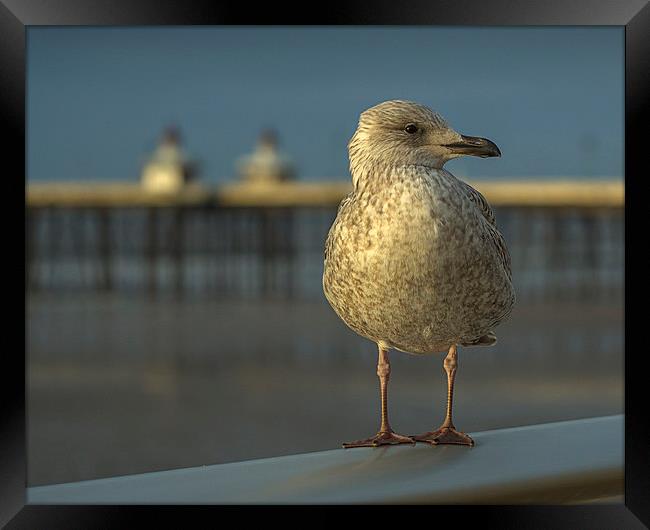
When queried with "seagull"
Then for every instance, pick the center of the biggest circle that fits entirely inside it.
(414, 261)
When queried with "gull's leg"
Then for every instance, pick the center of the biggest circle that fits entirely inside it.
(385, 436)
(447, 433)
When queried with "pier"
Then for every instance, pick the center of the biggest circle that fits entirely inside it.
(266, 239)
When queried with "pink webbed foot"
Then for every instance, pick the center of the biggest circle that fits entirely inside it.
(381, 438)
(445, 435)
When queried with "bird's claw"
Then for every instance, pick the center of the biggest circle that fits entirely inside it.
(381, 438)
(445, 435)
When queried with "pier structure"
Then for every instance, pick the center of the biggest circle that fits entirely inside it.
(169, 169)
(243, 239)
(267, 164)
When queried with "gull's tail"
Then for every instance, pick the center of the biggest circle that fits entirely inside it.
(489, 339)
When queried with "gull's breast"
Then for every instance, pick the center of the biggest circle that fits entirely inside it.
(409, 265)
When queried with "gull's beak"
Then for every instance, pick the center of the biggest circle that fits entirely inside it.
(475, 146)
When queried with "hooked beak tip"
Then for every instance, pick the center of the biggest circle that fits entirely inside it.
(475, 146)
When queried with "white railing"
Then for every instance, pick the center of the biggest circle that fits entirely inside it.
(555, 463)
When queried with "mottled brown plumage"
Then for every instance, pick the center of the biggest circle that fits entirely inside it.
(414, 260)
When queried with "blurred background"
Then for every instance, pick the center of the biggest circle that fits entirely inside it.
(180, 186)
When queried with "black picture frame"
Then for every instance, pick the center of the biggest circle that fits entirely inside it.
(634, 15)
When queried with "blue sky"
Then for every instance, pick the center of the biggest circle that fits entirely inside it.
(97, 98)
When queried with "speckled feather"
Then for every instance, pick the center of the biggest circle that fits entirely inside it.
(414, 260)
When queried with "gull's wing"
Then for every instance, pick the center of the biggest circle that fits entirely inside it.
(330, 238)
(502, 250)
(481, 203)
(484, 207)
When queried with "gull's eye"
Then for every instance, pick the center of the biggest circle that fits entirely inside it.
(411, 128)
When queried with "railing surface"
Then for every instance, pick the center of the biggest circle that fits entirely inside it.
(564, 462)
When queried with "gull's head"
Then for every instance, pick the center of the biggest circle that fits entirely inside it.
(400, 132)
